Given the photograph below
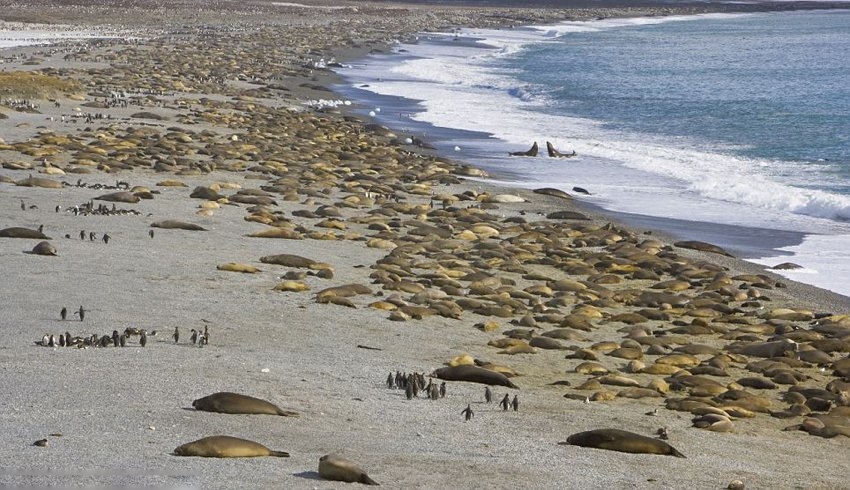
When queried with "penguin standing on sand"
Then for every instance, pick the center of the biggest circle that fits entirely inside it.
(194, 337)
(176, 334)
(143, 338)
(467, 412)
(63, 313)
(488, 395)
(82, 313)
(505, 402)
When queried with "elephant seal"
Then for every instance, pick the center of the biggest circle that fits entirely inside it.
(234, 403)
(337, 468)
(121, 196)
(550, 191)
(702, 247)
(226, 447)
(473, 374)
(550, 149)
(172, 224)
(531, 152)
(21, 232)
(623, 441)
(44, 248)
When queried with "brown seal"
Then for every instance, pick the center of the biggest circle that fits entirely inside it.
(531, 152)
(175, 224)
(473, 374)
(702, 247)
(121, 196)
(226, 447)
(550, 149)
(621, 440)
(337, 468)
(234, 403)
(21, 232)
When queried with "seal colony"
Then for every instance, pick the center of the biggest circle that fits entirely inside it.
(362, 256)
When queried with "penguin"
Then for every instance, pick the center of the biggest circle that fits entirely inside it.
(515, 403)
(67, 339)
(488, 395)
(143, 338)
(82, 234)
(467, 412)
(194, 337)
(106, 238)
(408, 391)
(115, 338)
(82, 313)
(176, 334)
(390, 381)
(206, 336)
(150, 233)
(62, 340)
(41, 228)
(23, 206)
(122, 340)
(505, 402)
(63, 313)
(92, 236)
(443, 389)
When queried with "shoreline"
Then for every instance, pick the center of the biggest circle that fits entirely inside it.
(221, 113)
(759, 244)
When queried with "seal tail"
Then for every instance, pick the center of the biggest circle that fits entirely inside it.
(674, 452)
(287, 413)
(364, 479)
(279, 454)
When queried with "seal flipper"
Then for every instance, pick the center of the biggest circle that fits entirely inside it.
(364, 479)
(279, 454)
(287, 413)
(674, 452)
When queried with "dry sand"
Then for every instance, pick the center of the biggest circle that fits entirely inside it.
(121, 411)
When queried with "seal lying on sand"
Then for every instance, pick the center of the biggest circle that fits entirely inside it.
(21, 232)
(44, 248)
(234, 403)
(557, 154)
(337, 468)
(621, 440)
(173, 224)
(532, 152)
(226, 447)
(473, 374)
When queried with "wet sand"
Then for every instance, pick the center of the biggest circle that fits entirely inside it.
(214, 98)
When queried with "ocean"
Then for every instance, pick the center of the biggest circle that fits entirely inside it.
(727, 128)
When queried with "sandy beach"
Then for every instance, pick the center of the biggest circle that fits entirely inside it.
(210, 102)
